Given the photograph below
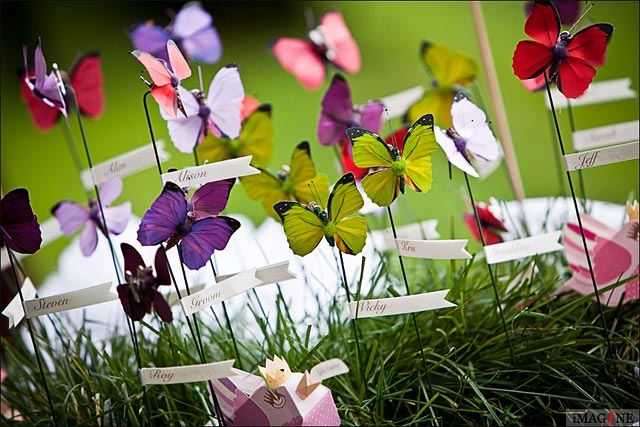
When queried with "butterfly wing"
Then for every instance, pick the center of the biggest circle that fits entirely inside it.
(163, 276)
(419, 145)
(167, 98)
(437, 102)
(303, 228)
(454, 156)
(470, 122)
(337, 36)
(132, 258)
(178, 64)
(543, 24)
(256, 136)
(574, 77)
(150, 38)
(531, 57)
(200, 40)
(225, 95)
(336, 112)
(211, 198)
(264, 186)
(307, 185)
(206, 236)
(299, 58)
(185, 131)
(117, 217)
(448, 68)
(87, 81)
(168, 211)
(345, 200)
(20, 228)
(43, 115)
(371, 116)
(348, 165)
(157, 70)
(71, 216)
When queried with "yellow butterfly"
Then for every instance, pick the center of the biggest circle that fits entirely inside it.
(255, 139)
(306, 225)
(294, 182)
(451, 72)
(408, 164)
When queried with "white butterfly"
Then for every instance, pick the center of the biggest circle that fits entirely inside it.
(470, 134)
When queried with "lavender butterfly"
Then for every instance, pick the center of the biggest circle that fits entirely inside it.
(338, 113)
(140, 294)
(72, 216)
(173, 218)
(44, 87)
(219, 112)
(191, 29)
(19, 228)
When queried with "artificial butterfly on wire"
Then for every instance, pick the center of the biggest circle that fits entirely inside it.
(255, 139)
(166, 77)
(568, 60)
(19, 228)
(218, 112)
(491, 225)
(306, 225)
(72, 216)
(298, 181)
(193, 222)
(409, 164)
(329, 42)
(451, 72)
(191, 29)
(470, 134)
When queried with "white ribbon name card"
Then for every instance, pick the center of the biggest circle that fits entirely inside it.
(70, 300)
(400, 305)
(433, 249)
(14, 311)
(50, 230)
(328, 369)
(383, 239)
(123, 165)
(522, 248)
(210, 172)
(598, 92)
(602, 156)
(588, 139)
(186, 374)
(273, 273)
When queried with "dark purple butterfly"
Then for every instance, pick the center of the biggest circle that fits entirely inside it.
(173, 219)
(19, 226)
(44, 87)
(140, 294)
(338, 113)
(72, 216)
(569, 10)
(191, 29)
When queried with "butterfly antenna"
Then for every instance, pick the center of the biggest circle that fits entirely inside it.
(580, 19)
(145, 81)
(309, 19)
(393, 135)
(59, 81)
(315, 194)
(200, 77)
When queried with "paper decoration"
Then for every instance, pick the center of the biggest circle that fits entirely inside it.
(50, 230)
(217, 171)
(276, 372)
(273, 273)
(186, 374)
(14, 310)
(598, 92)
(522, 248)
(322, 371)
(433, 249)
(602, 156)
(614, 257)
(383, 239)
(70, 300)
(606, 135)
(399, 305)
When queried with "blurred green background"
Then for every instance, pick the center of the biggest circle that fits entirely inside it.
(389, 35)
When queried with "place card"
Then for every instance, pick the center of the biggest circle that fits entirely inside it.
(597, 93)
(186, 374)
(69, 300)
(522, 248)
(210, 172)
(588, 139)
(433, 249)
(400, 305)
(601, 157)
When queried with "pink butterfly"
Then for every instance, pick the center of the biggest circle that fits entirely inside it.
(166, 77)
(329, 42)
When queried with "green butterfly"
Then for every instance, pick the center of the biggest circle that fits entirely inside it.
(306, 225)
(408, 164)
(291, 183)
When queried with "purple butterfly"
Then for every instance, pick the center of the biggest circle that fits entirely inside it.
(140, 294)
(191, 29)
(194, 223)
(218, 112)
(72, 216)
(44, 87)
(338, 114)
(19, 228)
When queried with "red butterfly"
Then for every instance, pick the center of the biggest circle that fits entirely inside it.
(568, 60)
(87, 82)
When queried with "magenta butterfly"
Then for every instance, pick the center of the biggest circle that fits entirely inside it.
(166, 77)
(173, 218)
(329, 42)
(72, 216)
(19, 228)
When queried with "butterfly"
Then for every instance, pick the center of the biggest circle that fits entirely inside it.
(567, 60)
(166, 77)
(299, 181)
(568, 10)
(346, 153)
(194, 223)
(191, 29)
(218, 112)
(140, 292)
(255, 139)
(86, 79)
(409, 164)
(329, 42)
(19, 226)
(306, 225)
(451, 72)
(72, 216)
(491, 225)
(470, 134)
